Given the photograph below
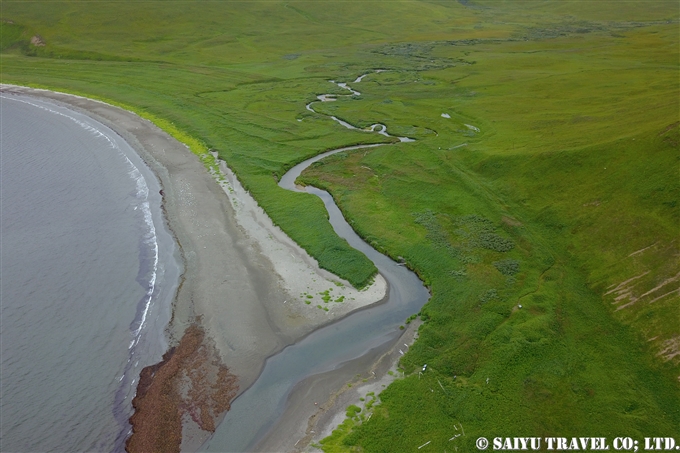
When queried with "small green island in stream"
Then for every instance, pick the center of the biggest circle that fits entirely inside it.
(538, 200)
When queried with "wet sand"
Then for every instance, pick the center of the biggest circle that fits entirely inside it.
(317, 405)
(243, 276)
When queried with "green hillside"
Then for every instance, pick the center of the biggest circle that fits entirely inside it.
(552, 185)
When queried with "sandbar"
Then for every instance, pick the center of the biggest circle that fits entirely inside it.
(245, 281)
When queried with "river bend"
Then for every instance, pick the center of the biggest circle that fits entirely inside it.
(255, 411)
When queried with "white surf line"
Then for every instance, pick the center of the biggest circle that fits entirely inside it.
(82, 124)
(142, 194)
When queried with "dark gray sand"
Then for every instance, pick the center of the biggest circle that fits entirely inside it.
(243, 276)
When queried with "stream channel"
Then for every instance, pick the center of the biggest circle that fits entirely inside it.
(257, 409)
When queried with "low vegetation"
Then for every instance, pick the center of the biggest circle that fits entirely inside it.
(539, 201)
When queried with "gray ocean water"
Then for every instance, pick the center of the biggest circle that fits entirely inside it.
(88, 274)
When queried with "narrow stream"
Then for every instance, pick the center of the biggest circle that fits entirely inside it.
(377, 127)
(255, 411)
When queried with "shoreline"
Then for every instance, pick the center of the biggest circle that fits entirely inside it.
(312, 412)
(221, 231)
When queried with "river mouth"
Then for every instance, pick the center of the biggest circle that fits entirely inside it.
(340, 345)
(337, 345)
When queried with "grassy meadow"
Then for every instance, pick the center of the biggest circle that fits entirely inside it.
(539, 201)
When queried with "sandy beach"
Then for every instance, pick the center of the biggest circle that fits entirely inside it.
(245, 281)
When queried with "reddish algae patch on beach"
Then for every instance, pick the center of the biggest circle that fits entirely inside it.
(189, 380)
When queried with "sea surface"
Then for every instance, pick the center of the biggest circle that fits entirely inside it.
(88, 269)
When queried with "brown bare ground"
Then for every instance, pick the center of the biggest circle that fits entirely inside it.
(622, 286)
(670, 126)
(37, 41)
(671, 349)
(511, 222)
(190, 379)
(637, 252)
(627, 293)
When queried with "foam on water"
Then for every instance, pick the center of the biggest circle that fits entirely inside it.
(84, 274)
(149, 238)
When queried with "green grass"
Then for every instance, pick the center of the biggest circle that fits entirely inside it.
(553, 183)
(259, 153)
(576, 196)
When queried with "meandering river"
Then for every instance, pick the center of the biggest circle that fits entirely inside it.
(255, 411)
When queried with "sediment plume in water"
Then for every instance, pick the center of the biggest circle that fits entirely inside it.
(189, 380)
